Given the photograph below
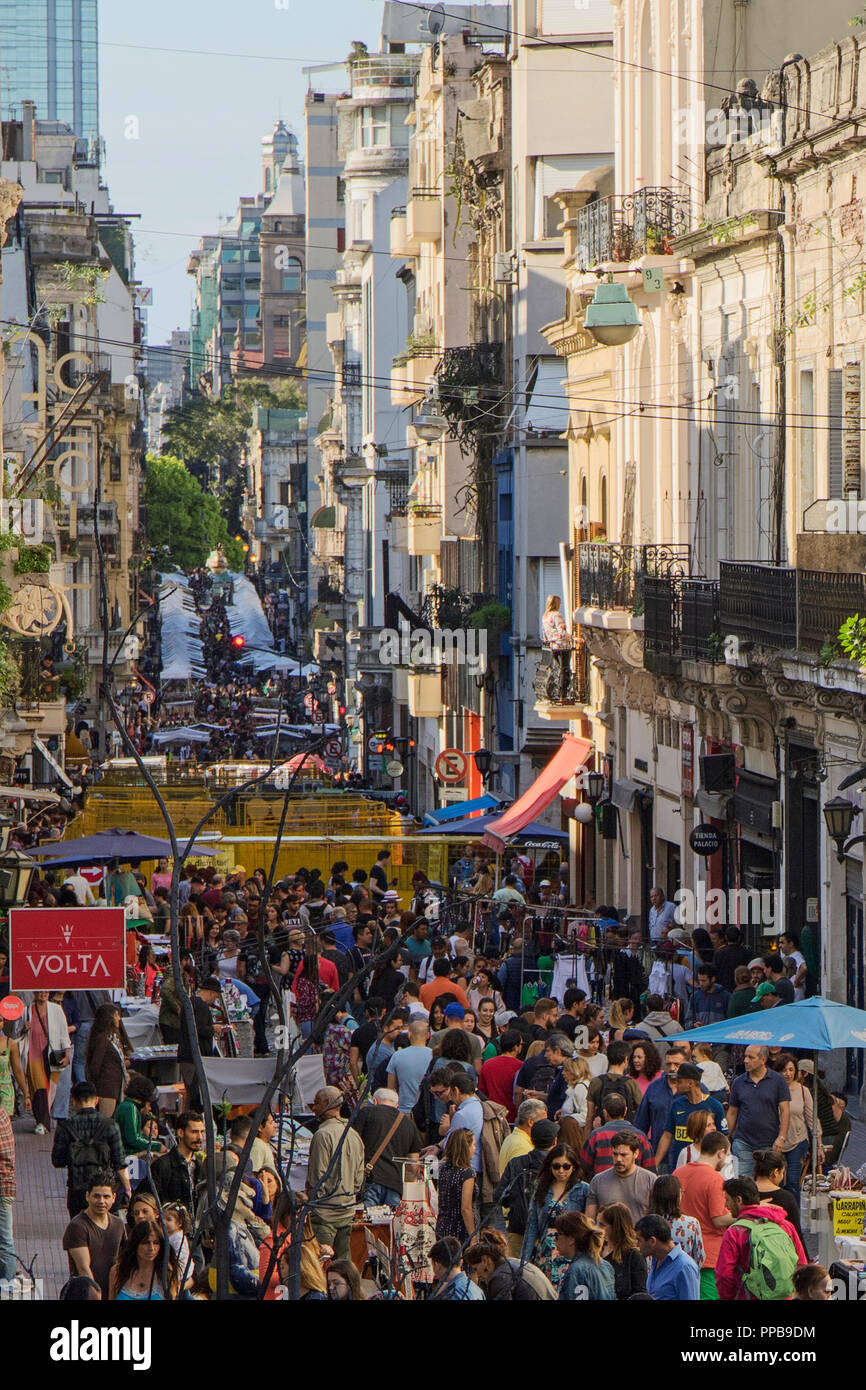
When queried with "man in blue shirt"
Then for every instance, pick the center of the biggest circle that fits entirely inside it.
(652, 1113)
(407, 1069)
(452, 1284)
(662, 915)
(709, 1000)
(759, 1110)
(673, 1275)
(689, 1098)
(468, 1114)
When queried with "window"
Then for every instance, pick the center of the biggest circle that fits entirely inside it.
(284, 494)
(552, 173)
(374, 126)
(291, 280)
(341, 190)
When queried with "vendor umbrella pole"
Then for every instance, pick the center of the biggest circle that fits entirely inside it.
(814, 1199)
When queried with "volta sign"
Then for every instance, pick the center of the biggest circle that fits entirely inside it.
(67, 948)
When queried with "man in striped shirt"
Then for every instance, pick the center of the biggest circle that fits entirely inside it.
(596, 1153)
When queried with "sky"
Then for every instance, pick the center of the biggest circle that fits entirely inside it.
(183, 129)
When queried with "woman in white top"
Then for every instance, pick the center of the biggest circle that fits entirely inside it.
(45, 1050)
(229, 965)
(577, 1076)
(700, 1123)
(592, 1054)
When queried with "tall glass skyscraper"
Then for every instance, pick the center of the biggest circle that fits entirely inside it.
(49, 54)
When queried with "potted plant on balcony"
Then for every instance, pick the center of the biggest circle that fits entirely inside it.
(655, 240)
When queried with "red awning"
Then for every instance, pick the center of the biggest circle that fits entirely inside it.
(562, 766)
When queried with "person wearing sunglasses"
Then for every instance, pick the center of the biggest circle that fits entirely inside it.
(559, 1189)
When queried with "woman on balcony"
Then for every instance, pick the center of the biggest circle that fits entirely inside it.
(557, 639)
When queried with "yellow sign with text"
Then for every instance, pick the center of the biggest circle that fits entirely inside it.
(848, 1215)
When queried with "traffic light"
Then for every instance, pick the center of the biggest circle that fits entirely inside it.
(238, 641)
(341, 710)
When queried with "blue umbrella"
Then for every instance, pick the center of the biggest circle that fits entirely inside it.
(106, 845)
(817, 1024)
(534, 833)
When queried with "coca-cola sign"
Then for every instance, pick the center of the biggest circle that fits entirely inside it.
(67, 948)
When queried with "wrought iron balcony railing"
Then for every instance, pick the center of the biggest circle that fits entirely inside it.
(478, 365)
(681, 619)
(758, 603)
(556, 683)
(612, 576)
(621, 228)
(824, 600)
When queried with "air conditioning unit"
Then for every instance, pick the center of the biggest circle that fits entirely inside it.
(504, 267)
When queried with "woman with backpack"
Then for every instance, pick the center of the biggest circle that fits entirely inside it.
(559, 1189)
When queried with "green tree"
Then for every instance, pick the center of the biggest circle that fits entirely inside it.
(184, 523)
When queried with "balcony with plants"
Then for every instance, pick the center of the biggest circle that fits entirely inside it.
(619, 229)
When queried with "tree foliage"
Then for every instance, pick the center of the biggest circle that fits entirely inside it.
(184, 523)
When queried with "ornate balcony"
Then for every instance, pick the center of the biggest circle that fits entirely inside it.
(624, 228)
(758, 603)
(612, 576)
(681, 621)
(824, 601)
(562, 696)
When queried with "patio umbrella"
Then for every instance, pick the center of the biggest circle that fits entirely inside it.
(534, 833)
(312, 763)
(817, 1024)
(181, 735)
(106, 845)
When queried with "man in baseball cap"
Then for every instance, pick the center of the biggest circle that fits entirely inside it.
(333, 1183)
(766, 996)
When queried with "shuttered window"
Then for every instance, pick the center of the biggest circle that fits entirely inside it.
(835, 435)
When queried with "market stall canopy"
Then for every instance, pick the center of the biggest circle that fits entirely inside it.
(28, 794)
(563, 765)
(817, 1024)
(458, 809)
(110, 844)
(536, 832)
(181, 735)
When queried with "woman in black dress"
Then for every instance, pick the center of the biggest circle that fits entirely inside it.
(457, 1188)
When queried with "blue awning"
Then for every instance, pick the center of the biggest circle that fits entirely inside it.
(457, 809)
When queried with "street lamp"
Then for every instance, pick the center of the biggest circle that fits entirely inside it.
(428, 424)
(839, 816)
(16, 871)
(594, 786)
(612, 318)
(484, 762)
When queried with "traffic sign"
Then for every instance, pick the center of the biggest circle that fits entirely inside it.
(334, 748)
(452, 766)
(149, 696)
(706, 840)
(394, 768)
(318, 716)
(308, 701)
(375, 744)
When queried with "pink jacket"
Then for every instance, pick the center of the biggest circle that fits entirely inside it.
(733, 1258)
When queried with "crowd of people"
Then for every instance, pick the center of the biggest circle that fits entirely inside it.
(527, 1137)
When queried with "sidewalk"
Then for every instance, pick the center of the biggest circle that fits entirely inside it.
(39, 1215)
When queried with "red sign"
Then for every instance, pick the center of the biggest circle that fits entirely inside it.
(452, 766)
(67, 948)
(687, 760)
(11, 1007)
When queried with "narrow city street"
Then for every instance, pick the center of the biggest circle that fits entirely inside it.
(433, 667)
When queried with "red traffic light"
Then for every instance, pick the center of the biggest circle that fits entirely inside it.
(238, 641)
(341, 710)
(411, 742)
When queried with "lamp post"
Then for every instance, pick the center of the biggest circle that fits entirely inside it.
(484, 762)
(16, 872)
(839, 816)
(594, 787)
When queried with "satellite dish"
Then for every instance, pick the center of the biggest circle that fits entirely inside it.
(435, 20)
